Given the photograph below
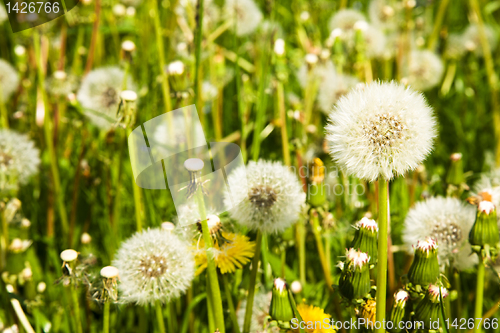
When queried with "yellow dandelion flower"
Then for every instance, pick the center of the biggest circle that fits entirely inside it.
(228, 256)
(314, 319)
(368, 311)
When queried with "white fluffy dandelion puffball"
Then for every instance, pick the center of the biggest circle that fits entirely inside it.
(446, 220)
(9, 80)
(270, 198)
(154, 265)
(380, 130)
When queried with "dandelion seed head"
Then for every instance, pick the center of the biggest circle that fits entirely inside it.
(382, 14)
(260, 312)
(345, 19)
(99, 95)
(19, 159)
(333, 88)
(9, 79)
(270, 198)
(323, 73)
(425, 70)
(448, 221)
(154, 265)
(455, 46)
(472, 41)
(60, 84)
(246, 14)
(381, 130)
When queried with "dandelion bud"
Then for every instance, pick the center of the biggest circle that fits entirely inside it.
(128, 46)
(316, 189)
(484, 232)
(41, 287)
(296, 287)
(365, 238)
(85, 238)
(456, 173)
(69, 255)
(398, 313)
(428, 309)
(175, 68)
(168, 226)
(354, 280)
(424, 269)
(128, 95)
(109, 272)
(280, 308)
(279, 47)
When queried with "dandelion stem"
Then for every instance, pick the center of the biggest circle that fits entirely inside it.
(443, 5)
(47, 126)
(478, 309)
(261, 106)
(161, 57)
(105, 326)
(253, 281)
(159, 317)
(214, 295)
(4, 241)
(301, 244)
(93, 40)
(229, 297)
(76, 308)
(383, 215)
(4, 114)
(490, 71)
(197, 51)
(284, 130)
(321, 251)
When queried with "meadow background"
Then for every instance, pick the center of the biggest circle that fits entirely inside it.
(266, 81)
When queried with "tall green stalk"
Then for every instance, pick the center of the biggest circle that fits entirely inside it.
(197, 54)
(161, 57)
(47, 126)
(159, 317)
(76, 308)
(284, 130)
(443, 5)
(214, 295)
(383, 217)
(230, 304)
(253, 281)
(105, 326)
(478, 308)
(321, 249)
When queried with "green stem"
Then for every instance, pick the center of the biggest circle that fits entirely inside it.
(284, 131)
(76, 309)
(478, 309)
(4, 114)
(437, 24)
(253, 281)
(197, 52)
(214, 295)
(4, 241)
(105, 326)
(301, 244)
(321, 251)
(161, 57)
(47, 126)
(261, 106)
(229, 297)
(383, 215)
(159, 317)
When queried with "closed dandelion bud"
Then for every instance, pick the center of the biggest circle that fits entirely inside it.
(316, 193)
(456, 173)
(399, 312)
(428, 309)
(424, 269)
(354, 280)
(365, 238)
(484, 232)
(280, 309)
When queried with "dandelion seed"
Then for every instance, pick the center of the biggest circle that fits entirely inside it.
(246, 14)
(381, 130)
(448, 221)
(155, 265)
(270, 198)
(425, 70)
(99, 95)
(19, 159)
(9, 80)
